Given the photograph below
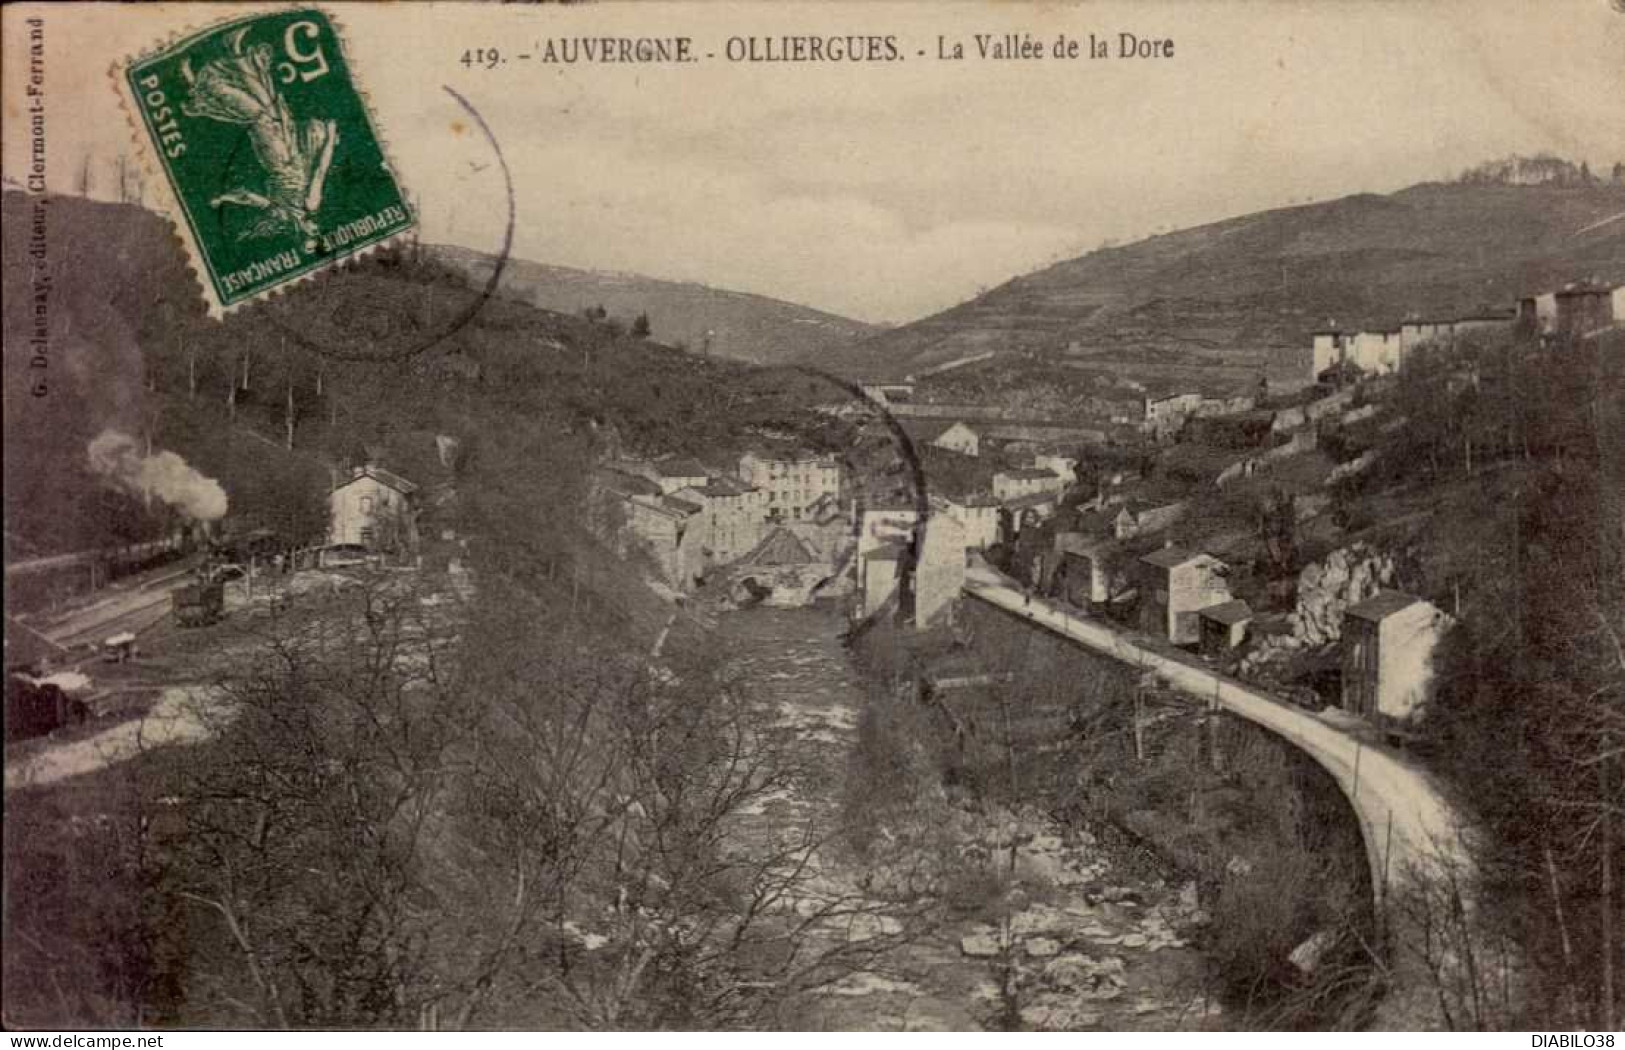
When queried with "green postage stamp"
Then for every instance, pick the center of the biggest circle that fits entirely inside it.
(268, 148)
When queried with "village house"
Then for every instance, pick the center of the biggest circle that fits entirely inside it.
(979, 517)
(1042, 504)
(1327, 347)
(734, 516)
(1025, 481)
(1080, 573)
(672, 475)
(373, 508)
(1415, 333)
(1164, 415)
(793, 483)
(1224, 405)
(1061, 465)
(1142, 517)
(1376, 352)
(667, 528)
(1537, 314)
(1586, 308)
(1175, 585)
(1224, 626)
(1388, 644)
(1384, 351)
(886, 523)
(949, 434)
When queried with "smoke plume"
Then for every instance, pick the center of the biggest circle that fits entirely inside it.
(117, 457)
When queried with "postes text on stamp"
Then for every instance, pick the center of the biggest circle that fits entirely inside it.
(273, 159)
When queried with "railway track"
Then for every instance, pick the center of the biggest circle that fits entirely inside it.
(141, 612)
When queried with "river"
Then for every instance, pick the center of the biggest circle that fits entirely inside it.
(1086, 945)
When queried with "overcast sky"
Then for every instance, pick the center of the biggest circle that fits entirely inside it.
(889, 191)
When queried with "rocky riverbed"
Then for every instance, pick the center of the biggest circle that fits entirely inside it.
(1071, 935)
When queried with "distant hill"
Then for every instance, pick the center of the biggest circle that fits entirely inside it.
(1243, 294)
(735, 325)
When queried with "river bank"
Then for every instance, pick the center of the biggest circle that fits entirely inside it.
(1034, 925)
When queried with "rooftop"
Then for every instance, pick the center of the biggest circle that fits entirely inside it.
(382, 476)
(1030, 474)
(780, 547)
(1231, 612)
(684, 506)
(627, 484)
(928, 429)
(1585, 288)
(1139, 506)
(679, 468)
(1382, 605)
(1170, 557)
(1032, 499)
(795, 458)
(724, 486)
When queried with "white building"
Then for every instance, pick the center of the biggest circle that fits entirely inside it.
(1378, 352)
(979, 517)
(1538, 313)
(1025, 481)
(734, 517)
(1163, 414)
(793, 483)
(950, 434)
(632, 513)
(373, 508)
(1063, 466)
(1388, 644)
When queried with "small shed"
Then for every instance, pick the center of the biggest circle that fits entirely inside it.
(1224, 626)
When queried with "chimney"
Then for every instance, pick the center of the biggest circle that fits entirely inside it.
(357, 470)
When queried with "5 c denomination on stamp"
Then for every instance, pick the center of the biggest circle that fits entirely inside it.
(269, 150)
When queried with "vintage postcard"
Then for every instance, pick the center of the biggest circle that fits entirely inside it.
(704, 516)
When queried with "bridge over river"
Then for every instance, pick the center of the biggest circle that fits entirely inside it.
(1409, 828)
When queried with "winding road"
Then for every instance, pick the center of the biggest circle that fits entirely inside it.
(1408, 825)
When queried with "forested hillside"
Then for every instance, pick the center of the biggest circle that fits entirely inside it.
(1503, 479)
(378, 358)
